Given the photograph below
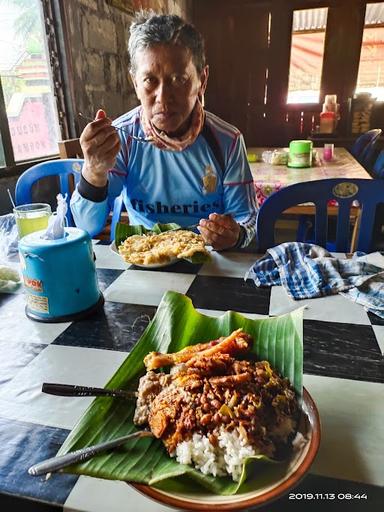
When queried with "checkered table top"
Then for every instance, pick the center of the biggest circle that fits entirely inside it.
(343, 371)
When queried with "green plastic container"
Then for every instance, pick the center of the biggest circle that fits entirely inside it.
(300, 153)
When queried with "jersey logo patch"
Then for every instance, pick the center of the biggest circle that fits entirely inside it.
(209, 180)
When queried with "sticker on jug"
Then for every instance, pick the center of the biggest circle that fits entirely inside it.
(34, 284)
(38, 303)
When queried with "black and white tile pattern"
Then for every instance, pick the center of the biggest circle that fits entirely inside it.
(343, 371)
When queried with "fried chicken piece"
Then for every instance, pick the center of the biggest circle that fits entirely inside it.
(238, 341)
(164, 409)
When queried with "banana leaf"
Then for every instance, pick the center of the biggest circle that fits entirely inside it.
(175, 325)
(123, 231)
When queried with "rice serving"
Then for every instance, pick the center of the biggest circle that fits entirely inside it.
(161, 248)
(214, 410)
(227, 458)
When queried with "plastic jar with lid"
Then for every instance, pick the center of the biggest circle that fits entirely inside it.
(327, 122)
(300, 153)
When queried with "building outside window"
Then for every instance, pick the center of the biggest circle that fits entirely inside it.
(371, 69)
(307, 53)
(26, 82)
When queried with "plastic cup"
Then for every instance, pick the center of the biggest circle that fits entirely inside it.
(252, 157)
(328, 151)
(31, 217)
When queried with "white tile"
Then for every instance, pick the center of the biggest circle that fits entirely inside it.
(216, 313)
(333, 308)
(352, 437)
(106, 258)
(228, 264)
(22, 399)
(97, 495)
(379, 333)
(145, 287)
(15, 325)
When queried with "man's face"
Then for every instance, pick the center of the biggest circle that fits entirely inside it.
(167, 85)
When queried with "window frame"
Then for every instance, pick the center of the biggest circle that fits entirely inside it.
(54, 33)
(307, 105)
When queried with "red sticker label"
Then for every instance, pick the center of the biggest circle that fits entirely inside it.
(34, 284)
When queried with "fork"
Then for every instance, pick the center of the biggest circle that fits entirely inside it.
(134, 137)
(73, 390)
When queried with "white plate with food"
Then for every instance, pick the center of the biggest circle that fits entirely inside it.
(205, 369)
(142, 265)
(154, 250)
(273, 485)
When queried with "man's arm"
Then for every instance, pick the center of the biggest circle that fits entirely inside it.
(90, 204)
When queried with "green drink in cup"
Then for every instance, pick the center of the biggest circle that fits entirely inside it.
(31, 217)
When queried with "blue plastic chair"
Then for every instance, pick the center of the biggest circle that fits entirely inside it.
(63, 169)
(118, 207)
(369, 156)
(378, 166)
(369, 193)
(363, 144)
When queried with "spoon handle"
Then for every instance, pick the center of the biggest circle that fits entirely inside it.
(55, 463)
(73, 390)
(139, 139)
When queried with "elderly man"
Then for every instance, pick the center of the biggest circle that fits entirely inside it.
(173, 161)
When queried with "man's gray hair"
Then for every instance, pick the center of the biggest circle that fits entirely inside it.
(149, 29)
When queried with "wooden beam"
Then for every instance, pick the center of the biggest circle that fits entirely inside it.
(342, 49)
(5, 133)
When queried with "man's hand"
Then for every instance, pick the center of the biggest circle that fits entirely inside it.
(219, 231)
(100, 144)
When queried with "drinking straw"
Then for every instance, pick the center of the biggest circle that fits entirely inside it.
(11, 198)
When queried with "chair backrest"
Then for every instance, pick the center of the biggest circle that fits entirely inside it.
(378, 166)
(369, 193)
(118, 207)
(362, 143)
(68, 171)
(369, 154)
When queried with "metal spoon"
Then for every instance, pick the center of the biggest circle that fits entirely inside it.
(55, 463)
(73, 390)
(134, 137)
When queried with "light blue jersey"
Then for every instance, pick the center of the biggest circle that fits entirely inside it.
(159, 185)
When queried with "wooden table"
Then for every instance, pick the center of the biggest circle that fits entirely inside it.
(343, 372)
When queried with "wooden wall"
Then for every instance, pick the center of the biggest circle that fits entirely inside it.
(248, 49)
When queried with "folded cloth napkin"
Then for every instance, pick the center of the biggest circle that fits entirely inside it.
(307, 271)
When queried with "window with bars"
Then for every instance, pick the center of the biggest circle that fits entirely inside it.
(371, 68)
(29, 124)
(307, 53)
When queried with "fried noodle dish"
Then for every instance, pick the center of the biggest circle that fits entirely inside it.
(161, 248)
(215, 408)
